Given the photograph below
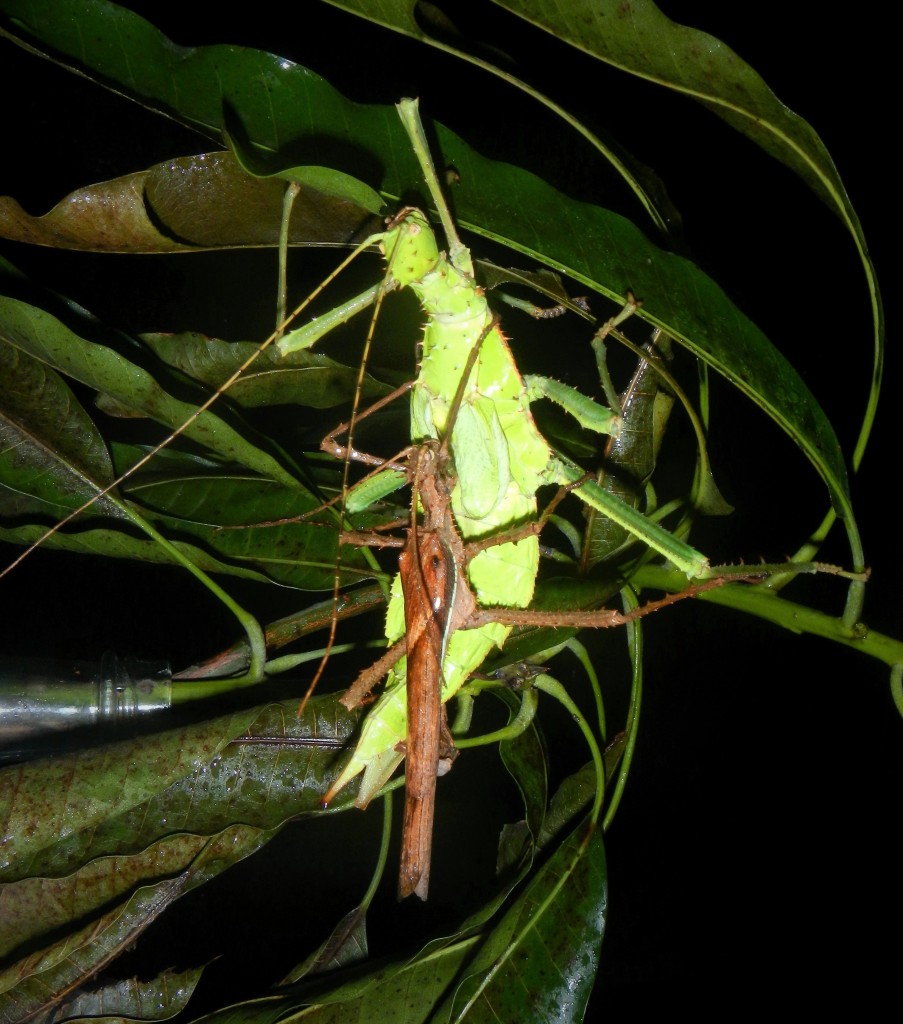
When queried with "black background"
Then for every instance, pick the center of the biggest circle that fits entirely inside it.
(755, 855)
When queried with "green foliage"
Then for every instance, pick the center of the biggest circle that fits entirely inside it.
(100, 840)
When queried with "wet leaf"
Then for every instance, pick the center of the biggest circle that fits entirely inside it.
(189, 204)
(539, 962)
(154, 817)
(40, 905)
(158, 999)
(57, 814)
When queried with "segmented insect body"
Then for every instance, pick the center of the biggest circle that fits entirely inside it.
(498, 462)
(497, 459)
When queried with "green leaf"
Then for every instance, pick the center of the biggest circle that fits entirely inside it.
(296, 554)
(54, 461)
(152, 807)
(428, 24)
(572, 797)
(526, 761)
(118, 544)
(42, 336)
(403, 990)
(53, 457)
(43, 979)
(158, 999)
(413, 989)
(639, 39)
(539, 962)
(596, 247)
(322, 181)
(59, 813)
(40, 905)
(346, 945)
(191, 204)
(299, 378)
(163, 814)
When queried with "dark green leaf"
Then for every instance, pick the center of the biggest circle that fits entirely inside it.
(345, 946)
(158, 999)
(403, 991)
(41, 905)
(41, 335)
(118, 544)
(57, 814)
(276, 100)
(300, 378)
(539, 961)
(315, 181)
(428, 24)
(39, 982)
(54, 458)
(572, 797)
(526, 761)
(296, 554)
(638, 38)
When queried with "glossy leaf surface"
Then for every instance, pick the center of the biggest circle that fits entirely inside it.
(600, 249)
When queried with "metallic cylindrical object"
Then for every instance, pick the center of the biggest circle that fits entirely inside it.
(42, 697)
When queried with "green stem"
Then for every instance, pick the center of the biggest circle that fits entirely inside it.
(288, 202)
(582, 655)
(764, 604)
(631, 726)
(382, 859)
(511, 731)
(256, 639)
(552, 687)
(187, 690)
